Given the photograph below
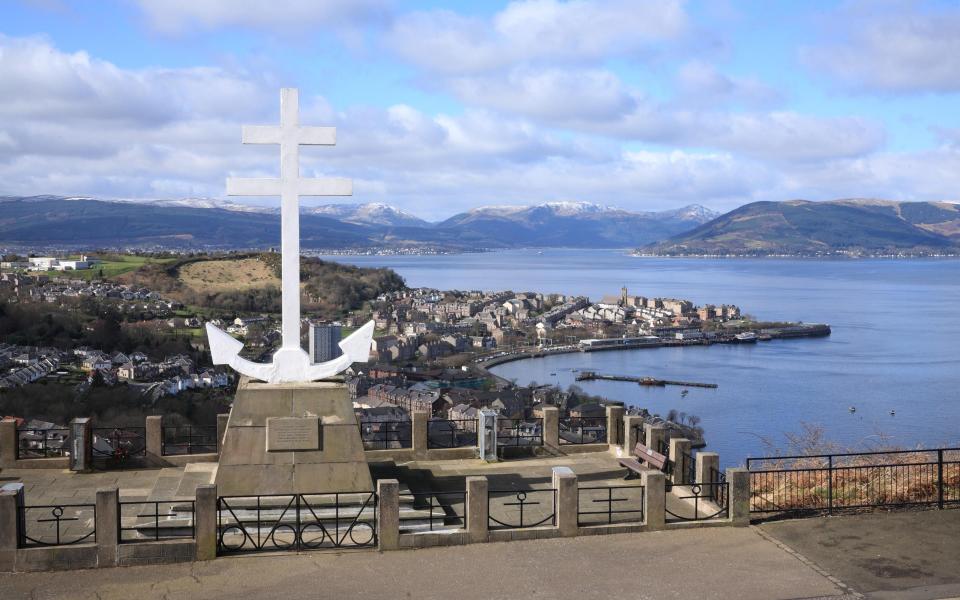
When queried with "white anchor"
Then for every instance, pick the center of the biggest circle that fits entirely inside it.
(290, 362)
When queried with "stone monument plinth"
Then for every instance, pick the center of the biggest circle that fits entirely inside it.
(292, 438)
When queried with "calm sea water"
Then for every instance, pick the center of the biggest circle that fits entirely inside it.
(895, 344)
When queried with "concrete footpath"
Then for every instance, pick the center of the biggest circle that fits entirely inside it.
(699, 563)
(904, 555)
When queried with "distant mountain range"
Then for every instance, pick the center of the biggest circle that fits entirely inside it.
(795, 227)
(857, 226)
(52, 221)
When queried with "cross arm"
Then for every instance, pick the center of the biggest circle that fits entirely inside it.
(332, 186)
(242, 186)
(271, 134)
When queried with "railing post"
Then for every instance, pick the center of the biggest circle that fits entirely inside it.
(565, 500)
(8, 444)
(630, 437)
(679, 450)
(830, 484)
(614, 421)
(654, 499)
(11, 497)
(107, 526)
(388, 515)
(419, 433)
(205, 522)
(940, 478)
(221, 430)
(738, 499)
(707, 463)
(477, 509)
(551, 427)
(655, 434)
(154, 434)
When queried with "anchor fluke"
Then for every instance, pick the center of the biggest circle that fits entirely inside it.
(289, 364)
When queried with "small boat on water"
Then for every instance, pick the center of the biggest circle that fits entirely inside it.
(746, 338)
(852, 409)
(683, 393)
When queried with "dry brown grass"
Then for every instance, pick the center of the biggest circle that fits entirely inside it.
(889, 476)
(228, 275)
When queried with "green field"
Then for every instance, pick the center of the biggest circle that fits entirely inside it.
(111, 266)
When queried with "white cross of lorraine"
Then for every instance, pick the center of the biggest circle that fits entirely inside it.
(290, 362)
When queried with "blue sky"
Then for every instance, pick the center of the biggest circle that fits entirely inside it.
(443, 106)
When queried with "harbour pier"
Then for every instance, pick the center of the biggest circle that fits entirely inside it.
(652, 381)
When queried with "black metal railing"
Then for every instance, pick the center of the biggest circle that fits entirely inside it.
(520, 432)
(719, 491)
(189, 439)
(829, 482)
(385, 435)
(583, 430)
(156, 520)
(689, 466)
(118, 444)
(520, 509)
(451, 433)
(639, 433)
(43, 443)
(697, 501)
(435, 511)
(296, 522)
(56, 524)
(663, 447)
(606, 505)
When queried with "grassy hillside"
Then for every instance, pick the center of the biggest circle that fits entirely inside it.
(251, 283)
(802, 227)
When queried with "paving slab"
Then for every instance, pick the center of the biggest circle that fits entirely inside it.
(704, 564)
(907, 555)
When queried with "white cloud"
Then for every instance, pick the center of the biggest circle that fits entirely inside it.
(898, 51)
(701, 84)
(535, 30)
(178, 16)
(550, 94)
(76, 125)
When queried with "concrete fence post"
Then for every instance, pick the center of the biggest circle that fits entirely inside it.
(614, 426)
(566, 500)
(8, 444)
(707, 463)
(654, 499)
(655, 435)
(108, 526)
(738, 480)
(551, 427)
(630, 433)
(388, 522)
(679, 451)
(11, 496)
(205, 522)
(221, 430)
(419, 428)
(478, 509)
(154, 426)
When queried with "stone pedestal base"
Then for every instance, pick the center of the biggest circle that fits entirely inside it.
(252, 465)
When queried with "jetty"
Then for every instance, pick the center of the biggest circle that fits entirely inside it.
(652, 381)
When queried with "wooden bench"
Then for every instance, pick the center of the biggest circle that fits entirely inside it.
(641, 452)
(634, 468)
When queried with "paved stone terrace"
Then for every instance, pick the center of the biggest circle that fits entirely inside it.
(702, 563)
